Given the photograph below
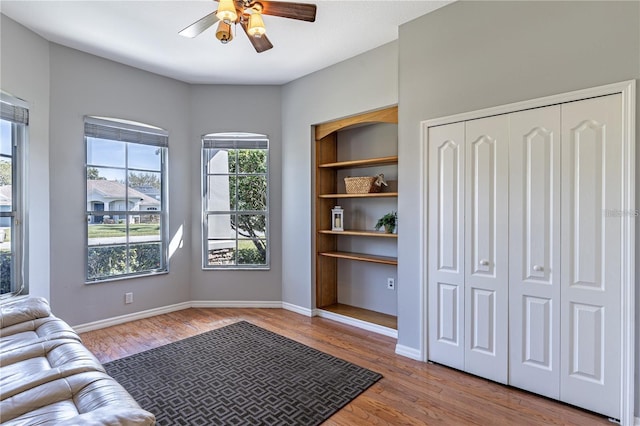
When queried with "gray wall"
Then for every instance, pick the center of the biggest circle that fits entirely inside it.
(472, 55)
(24, 73)
(254, 109)
(62, 85)
(82, 84)
(362, 83)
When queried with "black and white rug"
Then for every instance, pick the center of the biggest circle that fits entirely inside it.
(240, 374)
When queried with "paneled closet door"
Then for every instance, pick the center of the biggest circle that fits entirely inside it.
(486, 247)
(534, 250)
(446, 244)
(592, 182)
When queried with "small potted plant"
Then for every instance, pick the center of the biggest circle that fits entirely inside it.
(389, 221)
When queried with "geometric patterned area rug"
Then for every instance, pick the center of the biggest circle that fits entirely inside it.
(240, 374)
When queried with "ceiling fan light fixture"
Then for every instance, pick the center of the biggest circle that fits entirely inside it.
(227, 11)
(223, 33)
(256, 25)
(248, 13)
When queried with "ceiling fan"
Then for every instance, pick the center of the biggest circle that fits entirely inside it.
(248, 13)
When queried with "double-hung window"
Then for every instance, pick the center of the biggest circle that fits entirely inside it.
(235, 201)
(126, 199)
(14, 119)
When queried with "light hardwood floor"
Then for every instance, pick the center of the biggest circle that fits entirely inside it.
(410, 393)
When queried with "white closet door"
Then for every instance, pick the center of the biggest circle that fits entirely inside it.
(486, 247)
(534, 250)
(446, 244)
(592, 183)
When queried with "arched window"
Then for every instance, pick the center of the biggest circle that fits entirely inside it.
(235, 201)
(126, 199)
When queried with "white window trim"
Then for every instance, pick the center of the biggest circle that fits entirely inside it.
(149, 135)
(16, 111)
(233, 140)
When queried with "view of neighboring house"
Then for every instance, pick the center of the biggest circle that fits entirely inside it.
(149, 190)
(219, 229)
(109, 195)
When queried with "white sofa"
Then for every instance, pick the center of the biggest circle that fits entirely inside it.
(47, 376)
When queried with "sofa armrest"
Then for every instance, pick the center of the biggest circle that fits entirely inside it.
(12, 313)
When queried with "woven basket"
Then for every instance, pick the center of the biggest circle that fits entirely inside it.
(361, 185)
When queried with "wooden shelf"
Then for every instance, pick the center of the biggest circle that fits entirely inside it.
(337, 152)
(385, 260)
(373, 317)
(359, 233)
(369, 195)
(380, 161)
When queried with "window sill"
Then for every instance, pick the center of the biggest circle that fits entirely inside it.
(126, 277)
(238, 268)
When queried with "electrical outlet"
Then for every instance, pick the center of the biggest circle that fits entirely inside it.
(391, 284)
(128, 298)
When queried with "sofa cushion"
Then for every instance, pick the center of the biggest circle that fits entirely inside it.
(30, 366)
(92, 396)
(35, 331)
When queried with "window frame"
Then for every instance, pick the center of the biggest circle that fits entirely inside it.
(125, 131)
(16, 112)
(236, 141)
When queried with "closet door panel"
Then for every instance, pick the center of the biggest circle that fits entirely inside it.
(486, 247)
(446, 244)
(592, 182)
(534, 250)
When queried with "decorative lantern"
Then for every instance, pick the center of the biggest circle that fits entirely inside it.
(337, 219)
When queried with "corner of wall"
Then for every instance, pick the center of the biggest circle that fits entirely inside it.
(25, 71)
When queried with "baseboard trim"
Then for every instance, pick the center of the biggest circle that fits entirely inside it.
(235, 304)
(386, 331)
(637, 422)
(409, 352)
(297, 309)
(96, 325)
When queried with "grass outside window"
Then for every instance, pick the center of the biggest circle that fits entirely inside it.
(120, 230)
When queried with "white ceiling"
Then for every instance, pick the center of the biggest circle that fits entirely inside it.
(144, 34)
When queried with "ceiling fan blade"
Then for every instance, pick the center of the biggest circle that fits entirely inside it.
(300, 11)
(259, 43)
(200, 25)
